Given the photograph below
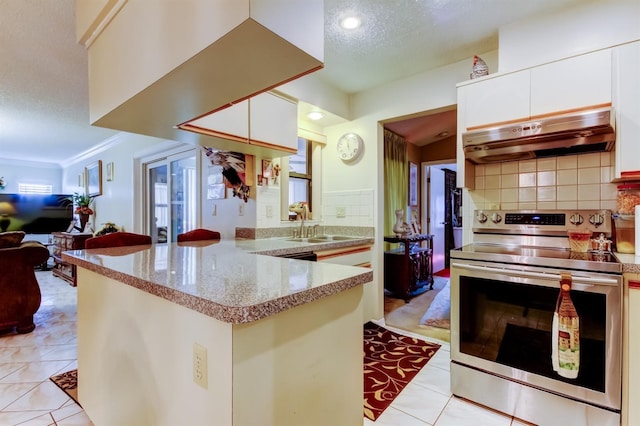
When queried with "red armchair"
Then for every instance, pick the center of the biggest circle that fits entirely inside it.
(117, 239)
(198, 235)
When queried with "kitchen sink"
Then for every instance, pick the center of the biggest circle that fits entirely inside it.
(306, 240)
(322, 239)
(343, 238)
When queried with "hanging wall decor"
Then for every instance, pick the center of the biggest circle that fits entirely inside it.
(93, 179)
(413, 184)
(237, 169)
(216, 188)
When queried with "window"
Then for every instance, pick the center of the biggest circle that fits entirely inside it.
(28, 188)
(300, 172)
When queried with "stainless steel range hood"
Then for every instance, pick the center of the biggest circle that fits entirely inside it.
(575, 133)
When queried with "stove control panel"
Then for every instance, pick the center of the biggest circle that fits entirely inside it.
(543, 222)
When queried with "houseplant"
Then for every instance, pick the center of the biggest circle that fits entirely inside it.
(82, 203)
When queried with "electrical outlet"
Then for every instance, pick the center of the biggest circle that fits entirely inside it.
(341, 212)
(269, 211)
(241, 209)
(200, 373)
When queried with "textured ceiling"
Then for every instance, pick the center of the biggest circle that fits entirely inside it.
(43, 73)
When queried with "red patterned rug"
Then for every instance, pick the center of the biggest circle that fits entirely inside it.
(390, 362)
(68, 382)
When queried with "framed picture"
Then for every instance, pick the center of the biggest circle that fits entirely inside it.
(413, 184)
(110, 171)
(267, 168)
(93, 178)
(216, 191)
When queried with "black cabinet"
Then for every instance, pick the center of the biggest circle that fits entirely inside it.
(408, 269)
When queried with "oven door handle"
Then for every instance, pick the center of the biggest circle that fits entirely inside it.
(521, 273)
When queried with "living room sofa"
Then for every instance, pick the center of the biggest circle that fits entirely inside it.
(19, 290)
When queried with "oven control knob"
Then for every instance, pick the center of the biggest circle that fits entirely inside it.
(482, 218)
(576, 219)
(596, 220)
(496, 218)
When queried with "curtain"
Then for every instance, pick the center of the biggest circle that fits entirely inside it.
(396, 180)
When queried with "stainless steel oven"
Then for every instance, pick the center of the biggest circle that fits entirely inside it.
(504, 289)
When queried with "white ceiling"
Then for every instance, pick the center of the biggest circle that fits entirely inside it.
(43, 74)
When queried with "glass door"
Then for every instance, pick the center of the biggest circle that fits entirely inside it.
(172, 201)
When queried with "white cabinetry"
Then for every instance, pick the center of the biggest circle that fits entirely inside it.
(626, 101)
(573, 83)
(231, 122)
(266, 120)
(497, 100)
(273, 121)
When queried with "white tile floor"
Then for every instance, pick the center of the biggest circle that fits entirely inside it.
(28, 397)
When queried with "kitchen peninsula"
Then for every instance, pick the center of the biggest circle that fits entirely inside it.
(282, 338)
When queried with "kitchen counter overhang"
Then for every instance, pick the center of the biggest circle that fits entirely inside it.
(232, 281)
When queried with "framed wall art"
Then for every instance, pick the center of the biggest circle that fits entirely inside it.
(110, 171)
(413, 184)
(93, 178)
(267, 168)
(216, 189)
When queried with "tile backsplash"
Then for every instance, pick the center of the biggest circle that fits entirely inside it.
(568, 182)
(348, 208)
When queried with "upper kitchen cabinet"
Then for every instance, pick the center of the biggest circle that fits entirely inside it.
(495, 100)
(265, 121)
(626, 101)
(574, 83)
(193, 58)
(273, 122)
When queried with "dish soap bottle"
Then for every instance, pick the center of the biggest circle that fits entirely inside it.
(566, 333)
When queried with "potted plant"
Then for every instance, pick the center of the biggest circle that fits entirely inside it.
(83, 209)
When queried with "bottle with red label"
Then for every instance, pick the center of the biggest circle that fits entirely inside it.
(566, 329)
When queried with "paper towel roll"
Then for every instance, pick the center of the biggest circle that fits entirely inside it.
(637, 229)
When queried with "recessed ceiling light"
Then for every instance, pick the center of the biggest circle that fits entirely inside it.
(350, 23)
(315, 115)
(443, 134)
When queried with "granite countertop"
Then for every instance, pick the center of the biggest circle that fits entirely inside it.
(235, 281)
(630, 262)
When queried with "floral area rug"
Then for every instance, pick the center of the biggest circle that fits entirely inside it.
(390, 362)
(439, 312)
(68, 382)
(412, 316)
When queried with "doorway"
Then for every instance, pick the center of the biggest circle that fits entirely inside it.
(171, 196)
(440, 209)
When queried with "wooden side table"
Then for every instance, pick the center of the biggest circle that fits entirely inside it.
(64, 241)
(408, 270)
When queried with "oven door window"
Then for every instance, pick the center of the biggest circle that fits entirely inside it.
(510, 323)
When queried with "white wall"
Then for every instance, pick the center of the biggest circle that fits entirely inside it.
(117, 201)
(15, 172)
(590, 26)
